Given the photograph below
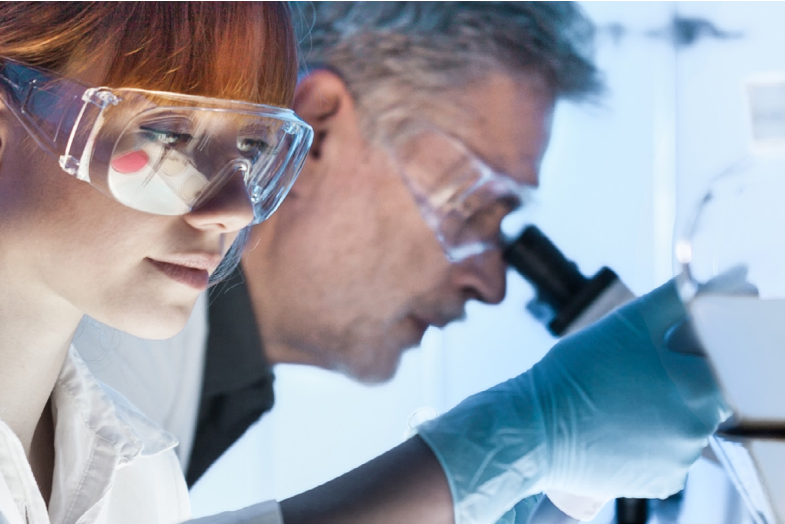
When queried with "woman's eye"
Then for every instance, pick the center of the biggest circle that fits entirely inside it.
(252, 146)
(169, 138)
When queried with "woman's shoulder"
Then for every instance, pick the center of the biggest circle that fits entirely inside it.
(134, 475)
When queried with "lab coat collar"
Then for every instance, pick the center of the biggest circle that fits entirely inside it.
(101, 432)
(106, 413)
(96, 433)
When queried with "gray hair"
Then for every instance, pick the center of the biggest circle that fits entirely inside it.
(400, 59)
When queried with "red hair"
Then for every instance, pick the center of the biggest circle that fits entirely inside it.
(237, 50)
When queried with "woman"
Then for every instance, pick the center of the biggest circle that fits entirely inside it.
(177, 170)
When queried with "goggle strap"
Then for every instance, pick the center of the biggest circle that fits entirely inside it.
(26, 89)
(19, 93)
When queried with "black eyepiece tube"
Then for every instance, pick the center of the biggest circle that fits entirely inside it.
(563, 293)
(556, 279)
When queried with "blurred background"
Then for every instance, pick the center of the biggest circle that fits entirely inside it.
(620, 179)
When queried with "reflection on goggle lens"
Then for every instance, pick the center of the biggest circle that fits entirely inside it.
(153, 168)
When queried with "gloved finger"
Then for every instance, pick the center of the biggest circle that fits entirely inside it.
(658, 310)
(695, 382)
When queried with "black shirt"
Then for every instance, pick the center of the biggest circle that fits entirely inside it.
(237, 386)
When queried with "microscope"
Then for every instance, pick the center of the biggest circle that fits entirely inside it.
(750, 446)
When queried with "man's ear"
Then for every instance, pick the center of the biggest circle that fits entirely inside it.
(322, 100)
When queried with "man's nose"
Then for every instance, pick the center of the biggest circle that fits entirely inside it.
(483, 277)
(229, 210)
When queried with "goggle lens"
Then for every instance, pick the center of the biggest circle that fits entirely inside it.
(161, 153)
(459, 196)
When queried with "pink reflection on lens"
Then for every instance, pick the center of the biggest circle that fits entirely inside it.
(131, 162)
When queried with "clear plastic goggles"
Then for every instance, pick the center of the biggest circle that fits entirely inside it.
(157, 152)
(460, 197)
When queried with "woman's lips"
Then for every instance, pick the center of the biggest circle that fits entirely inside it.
(192, 277)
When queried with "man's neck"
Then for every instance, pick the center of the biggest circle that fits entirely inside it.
(278, 346)
(281, 353)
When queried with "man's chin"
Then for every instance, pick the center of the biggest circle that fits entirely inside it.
(376, 372)
(372, 377)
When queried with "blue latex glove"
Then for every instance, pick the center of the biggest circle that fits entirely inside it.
(608, 412)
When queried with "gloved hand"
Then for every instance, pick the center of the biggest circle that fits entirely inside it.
(608, 412)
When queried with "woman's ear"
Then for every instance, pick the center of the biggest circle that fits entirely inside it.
(6, 127)
(322, 100)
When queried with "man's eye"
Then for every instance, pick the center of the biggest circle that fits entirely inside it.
(169, 138)
(488, 219)
(510, 203)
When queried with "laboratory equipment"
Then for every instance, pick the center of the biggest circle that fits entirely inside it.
(566, 301)
(732, 279)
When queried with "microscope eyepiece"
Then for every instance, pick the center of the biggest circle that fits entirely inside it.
(563, 293)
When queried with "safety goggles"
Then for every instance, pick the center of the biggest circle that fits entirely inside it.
(461, 198)
(157, 152)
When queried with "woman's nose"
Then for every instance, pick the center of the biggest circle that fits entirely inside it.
(230, 209)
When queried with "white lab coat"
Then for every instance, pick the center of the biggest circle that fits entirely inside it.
(163, 378)
(112, 464)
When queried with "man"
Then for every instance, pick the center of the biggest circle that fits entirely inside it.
(351, 231)
(430, 121)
